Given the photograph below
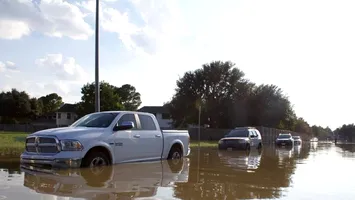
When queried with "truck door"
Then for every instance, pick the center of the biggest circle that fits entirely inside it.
(151, 137)
(126, 145)
(255, 139)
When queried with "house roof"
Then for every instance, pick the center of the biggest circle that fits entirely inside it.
(67, 107)
(154, 109)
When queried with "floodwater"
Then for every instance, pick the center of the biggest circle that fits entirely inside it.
(313, 171)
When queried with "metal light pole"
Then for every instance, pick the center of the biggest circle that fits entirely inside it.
(199, 126)
(97, 83)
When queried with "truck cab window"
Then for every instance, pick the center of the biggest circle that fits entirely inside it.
(128, 117)
(147, 122)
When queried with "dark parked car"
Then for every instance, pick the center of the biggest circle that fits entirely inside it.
(284, 139)
(243, 138)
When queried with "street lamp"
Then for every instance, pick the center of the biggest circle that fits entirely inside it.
(97, 84)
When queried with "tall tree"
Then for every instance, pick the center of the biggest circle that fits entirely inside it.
(346, 132)
(268, 106)
(110, 98)
(36, 107)
(229, 100)
(302, 126)
(14, 105)
(130, 98)
(216, 86)
(51, 102)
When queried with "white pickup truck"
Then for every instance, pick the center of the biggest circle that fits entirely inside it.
(104, 138)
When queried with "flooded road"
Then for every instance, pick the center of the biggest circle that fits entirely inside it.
(313, 171)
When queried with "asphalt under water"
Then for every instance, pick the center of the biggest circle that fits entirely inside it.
(313, 171)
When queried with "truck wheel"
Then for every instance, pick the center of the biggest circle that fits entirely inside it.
(95, 159)
(175, 153)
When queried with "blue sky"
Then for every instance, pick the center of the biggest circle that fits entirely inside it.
(305, 47)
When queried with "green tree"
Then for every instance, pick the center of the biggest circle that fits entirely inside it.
(268, 106)
(229, 100)
(346, 132)
(36, 107)
(321, 133)
(302, 126)
(15, 106)
(110, 98)
(51, 103)
(221, 90)
(130, 98)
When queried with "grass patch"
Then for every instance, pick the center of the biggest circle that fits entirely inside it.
(12, 143)
(204, 144)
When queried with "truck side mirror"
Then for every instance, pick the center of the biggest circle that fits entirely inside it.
(125, 125)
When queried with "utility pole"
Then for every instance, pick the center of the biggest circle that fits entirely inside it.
(97, 83)
(199, 126)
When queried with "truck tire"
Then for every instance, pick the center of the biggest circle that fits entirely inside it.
(175, 153)
(95, 159)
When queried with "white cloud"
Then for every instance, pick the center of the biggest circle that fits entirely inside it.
(160, 23)
(55, 18)
(65, 69)
(66, 80)
(8, 66)
(51, 73)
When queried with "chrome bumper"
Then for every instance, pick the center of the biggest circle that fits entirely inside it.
(29, 163)
(188, 151)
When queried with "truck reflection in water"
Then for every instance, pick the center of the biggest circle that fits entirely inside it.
(297, 149)
(124, 181)
(314, 146)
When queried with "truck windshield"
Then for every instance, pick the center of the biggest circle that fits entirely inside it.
(284, 136)
(99, 120)
(237, 133)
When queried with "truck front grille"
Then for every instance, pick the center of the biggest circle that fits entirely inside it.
(42, 144)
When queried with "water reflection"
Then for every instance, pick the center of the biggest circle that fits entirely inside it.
(241, 160)
(346, 150)
(124, 181)
(220, 176)
(207, 174)
(314, 146)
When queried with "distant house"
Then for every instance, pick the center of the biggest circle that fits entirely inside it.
(66, 115)
(161, 113)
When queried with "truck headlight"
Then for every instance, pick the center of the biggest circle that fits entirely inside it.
(71, 145)
(220, 142)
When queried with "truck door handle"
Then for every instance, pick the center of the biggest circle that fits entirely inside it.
(137, 136)
(157, 135)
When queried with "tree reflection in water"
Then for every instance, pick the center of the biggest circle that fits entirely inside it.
(346, 150)
(240, 175)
